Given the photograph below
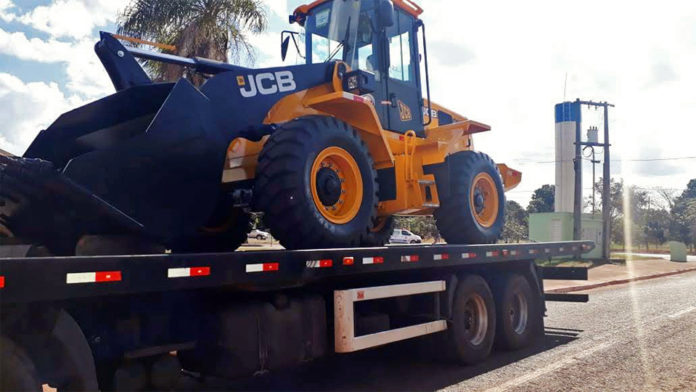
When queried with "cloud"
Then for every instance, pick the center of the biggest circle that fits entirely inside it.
(450, 53)
(70, 18)
(6, 5)
(84, 71)
(27, 108)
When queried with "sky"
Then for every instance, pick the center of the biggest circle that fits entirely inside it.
(502, 62)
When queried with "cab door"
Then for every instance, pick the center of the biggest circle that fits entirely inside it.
(403, 93)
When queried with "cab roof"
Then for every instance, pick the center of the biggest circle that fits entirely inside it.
(407, 5)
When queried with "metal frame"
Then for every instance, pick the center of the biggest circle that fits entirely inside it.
(345, 340)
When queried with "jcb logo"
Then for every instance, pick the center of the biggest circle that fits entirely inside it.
(266, 83)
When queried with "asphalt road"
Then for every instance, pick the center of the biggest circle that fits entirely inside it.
(639, 336)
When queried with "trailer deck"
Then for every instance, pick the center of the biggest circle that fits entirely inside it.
(25, 280)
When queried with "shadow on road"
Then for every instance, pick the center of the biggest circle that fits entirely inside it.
(397, 367)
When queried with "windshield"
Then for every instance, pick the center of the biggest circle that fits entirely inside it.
(332, 32)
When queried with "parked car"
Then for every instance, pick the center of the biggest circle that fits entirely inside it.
(259, 234)
(401, 236)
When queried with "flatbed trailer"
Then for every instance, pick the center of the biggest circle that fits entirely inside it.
(133, 322)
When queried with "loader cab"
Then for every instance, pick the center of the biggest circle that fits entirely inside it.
(378, 40)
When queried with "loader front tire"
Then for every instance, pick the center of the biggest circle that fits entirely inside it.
(316, 184)
(473, 212)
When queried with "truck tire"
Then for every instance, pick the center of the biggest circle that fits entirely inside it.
(518, 313)
(17, 371)
(316, 184)
(380, 233)
(472, 327)
(473, 212)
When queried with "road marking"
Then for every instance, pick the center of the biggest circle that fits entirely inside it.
(683, 312)
(551, 368)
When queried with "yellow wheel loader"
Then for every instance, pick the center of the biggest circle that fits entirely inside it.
(329, 150)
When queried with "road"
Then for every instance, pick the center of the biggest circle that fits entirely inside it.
(639, 336)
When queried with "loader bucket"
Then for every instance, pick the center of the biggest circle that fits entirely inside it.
(151, 153)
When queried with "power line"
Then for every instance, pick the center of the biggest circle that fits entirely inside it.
(524, 162)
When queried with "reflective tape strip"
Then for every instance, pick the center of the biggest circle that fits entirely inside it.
(533, 251)
(514, 252)
(188, 272)
(409, 259)
(561, 249)
(2, 282)
(547, 250)
(93, 277)
(468, 255)
(265, 267)
(506, 252)
(443, 256)
(575, 248)
(494, 253)
(327, 263)
(348, 260)
(373, 260)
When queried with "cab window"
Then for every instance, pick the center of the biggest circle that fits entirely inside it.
(400, 39)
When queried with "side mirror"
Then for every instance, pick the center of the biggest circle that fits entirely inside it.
(385, 14)
(284, 47)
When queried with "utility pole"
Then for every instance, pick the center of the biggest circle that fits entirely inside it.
(606, 180)
(577, 165)
(606, 189)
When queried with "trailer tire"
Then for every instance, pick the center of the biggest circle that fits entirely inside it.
(316, 184)
(472, 327)
(17, 371)
(518, 313)
(473, 210)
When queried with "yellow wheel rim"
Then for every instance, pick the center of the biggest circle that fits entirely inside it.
(337, 187)
(484, 200)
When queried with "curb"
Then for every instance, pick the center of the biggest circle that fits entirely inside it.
(616, 282)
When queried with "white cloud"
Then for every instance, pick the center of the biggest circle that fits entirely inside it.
(71, 18)
(84, 71)
(6, 5)
(27, 108)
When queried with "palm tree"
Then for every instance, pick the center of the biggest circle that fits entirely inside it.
(197, 28)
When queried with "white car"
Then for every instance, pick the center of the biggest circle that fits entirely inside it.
(401, 236)
(258, 234)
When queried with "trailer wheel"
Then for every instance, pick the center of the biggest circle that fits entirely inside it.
(518, 313)
(380, 233)
(472, 327)
(316, 184)
(474, 210)
(17, 371)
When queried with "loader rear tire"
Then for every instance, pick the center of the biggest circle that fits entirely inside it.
(316, 184)
(473, 212)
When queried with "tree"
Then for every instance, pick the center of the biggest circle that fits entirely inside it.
(543, 200)
(683, 225)
(516, 222)
(197, 28)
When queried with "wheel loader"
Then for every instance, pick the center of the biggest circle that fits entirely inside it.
(329, 150)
